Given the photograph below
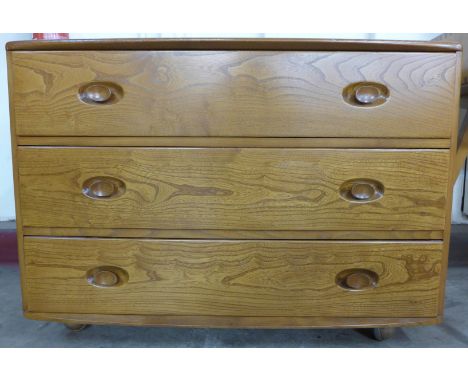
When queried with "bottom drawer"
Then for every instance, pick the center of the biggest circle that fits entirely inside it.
(232, 278)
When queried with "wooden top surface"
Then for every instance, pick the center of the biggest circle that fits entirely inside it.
(235, 44)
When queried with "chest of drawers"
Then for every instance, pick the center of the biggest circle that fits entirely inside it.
(234, 183)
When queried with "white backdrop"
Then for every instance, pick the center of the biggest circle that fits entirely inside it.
(372, 36)
(7, 199)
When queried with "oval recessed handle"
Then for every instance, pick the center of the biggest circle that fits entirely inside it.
(97, 93)
(366, 94)
(100, 93)
(357, 279)
(361, 190)
(107, 276)
(103, 187)
(104, 278)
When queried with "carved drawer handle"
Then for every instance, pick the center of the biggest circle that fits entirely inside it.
(100, 93)
(357, 279)
(97, 93)
(103, 187)
(361, 190)
(107, 276)
(366, 94)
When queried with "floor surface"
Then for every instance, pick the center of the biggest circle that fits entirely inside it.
(16, 331)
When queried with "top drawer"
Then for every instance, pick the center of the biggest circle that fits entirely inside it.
(233, 93)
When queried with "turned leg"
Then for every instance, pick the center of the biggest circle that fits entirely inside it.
(382, 334)
(75, 327)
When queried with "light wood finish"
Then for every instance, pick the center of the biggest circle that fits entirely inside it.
(237, 44)
(233, 278)
(234, 322)
(387, 143)
(233, 234)
(233, 93)
(212, 171)
(14, 154)
(240, 189)
(452, 176)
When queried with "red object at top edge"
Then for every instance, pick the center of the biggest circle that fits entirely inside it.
(51, 36)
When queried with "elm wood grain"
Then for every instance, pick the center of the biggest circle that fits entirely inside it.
(233, 322)
(402, 143)
(239, 189)
(233, 93)
(237, 44)
(14, 154)
(233, 234)
(452, 172)
(233, 278)
(238, 142)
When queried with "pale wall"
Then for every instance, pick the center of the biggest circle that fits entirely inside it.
(7, 200)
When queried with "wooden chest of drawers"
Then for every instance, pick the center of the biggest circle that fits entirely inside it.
(234, 183)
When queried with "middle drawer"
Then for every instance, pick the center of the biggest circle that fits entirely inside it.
(233, 189)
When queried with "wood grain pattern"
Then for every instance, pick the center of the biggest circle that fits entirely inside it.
(264, 116)
(237, 44)
(14, 155)
(233, 278)
(152, 233)
(245, 189)
(233, 93)
(233, 321)
(384, 143)
(455, 109)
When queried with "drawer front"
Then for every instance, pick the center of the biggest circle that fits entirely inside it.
(244, 189)
(232, 278)
(234, 93)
